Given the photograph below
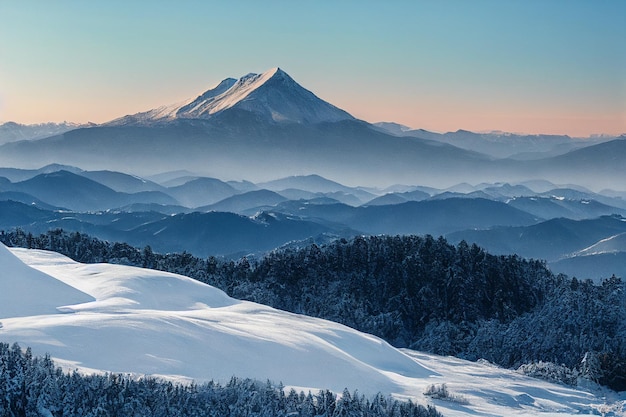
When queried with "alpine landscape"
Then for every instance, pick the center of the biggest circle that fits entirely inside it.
(270, 247)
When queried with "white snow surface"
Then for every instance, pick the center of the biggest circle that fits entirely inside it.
(241, 89)
(102, 317)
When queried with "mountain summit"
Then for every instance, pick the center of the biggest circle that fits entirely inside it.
(273, 95)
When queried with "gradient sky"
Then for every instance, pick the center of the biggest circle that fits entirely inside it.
(549, 66)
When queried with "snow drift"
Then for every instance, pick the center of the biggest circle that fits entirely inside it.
(149, 322)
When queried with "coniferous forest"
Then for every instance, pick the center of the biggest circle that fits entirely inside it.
(416, 292)
(34, 386)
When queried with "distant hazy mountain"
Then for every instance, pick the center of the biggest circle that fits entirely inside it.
(551, 240)
(28, 199)
(18, 214)
(312, 183)
(17, 174)
(603, 165)
(318, 184)
(122, 182)
(507, 190)
(75, 192)
(500, 144)
(65, 189)
(108, 225)
(394, 128)
(201, 192)
(172, 178)
(218, 233)
(168, 209)
(438, 217)
(387, 199)
(398, 198)
(12, 132)
(435, 217)
(552, 207)
(242, 202)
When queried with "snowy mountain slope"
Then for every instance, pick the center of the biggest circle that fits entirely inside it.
(273, 95)
(148, 322)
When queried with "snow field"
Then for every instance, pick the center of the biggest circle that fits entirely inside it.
(102, 317)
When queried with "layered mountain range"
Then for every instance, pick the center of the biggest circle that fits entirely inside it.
(576, 230)
(264, 126)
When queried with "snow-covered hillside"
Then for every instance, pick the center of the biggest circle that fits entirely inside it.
(124, 319)
(272, 95)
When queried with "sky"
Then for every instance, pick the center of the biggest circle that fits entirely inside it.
(527, 66)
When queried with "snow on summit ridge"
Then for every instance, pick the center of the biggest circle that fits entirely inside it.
(273, 95)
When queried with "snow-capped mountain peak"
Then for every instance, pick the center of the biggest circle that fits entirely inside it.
(272, 95)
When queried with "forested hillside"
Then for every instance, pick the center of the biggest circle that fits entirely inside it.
(416, 292)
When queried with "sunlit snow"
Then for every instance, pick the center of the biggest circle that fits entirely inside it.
(101, 317)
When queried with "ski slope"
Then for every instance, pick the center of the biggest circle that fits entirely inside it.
(101, 317)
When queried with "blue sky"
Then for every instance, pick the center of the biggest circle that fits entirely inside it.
(523, 66)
